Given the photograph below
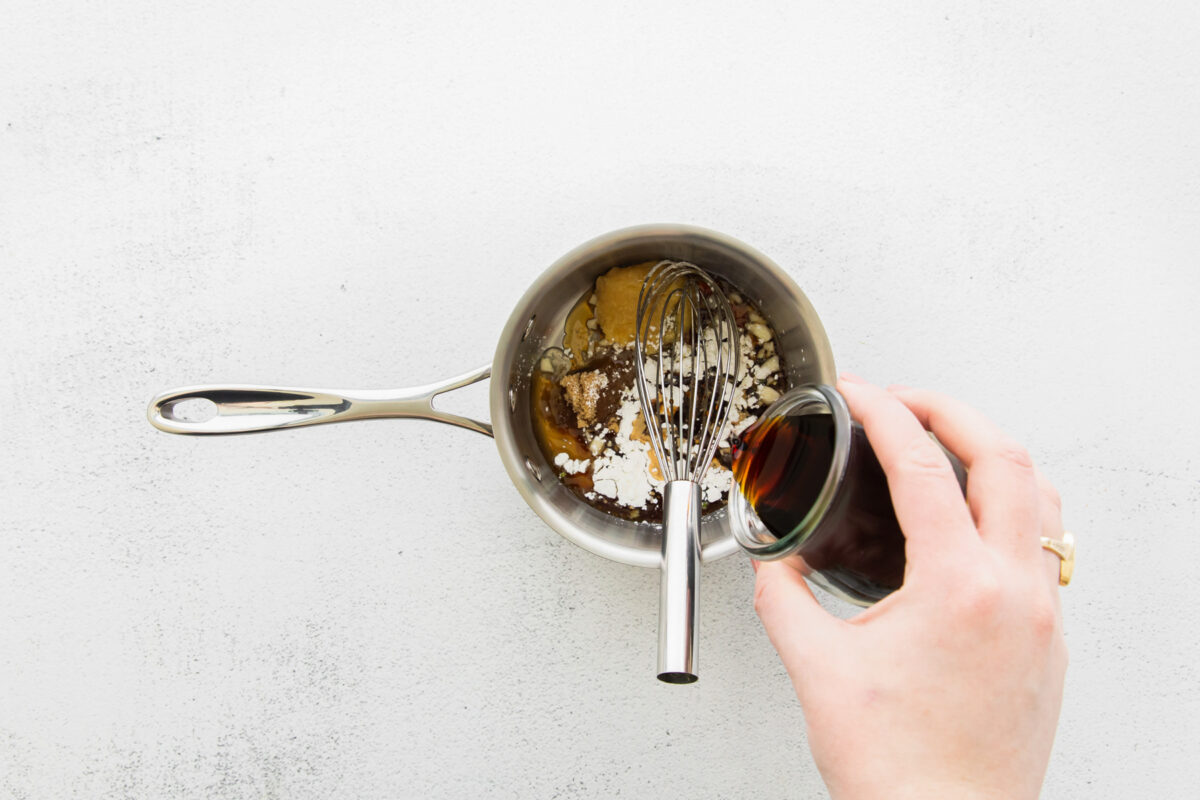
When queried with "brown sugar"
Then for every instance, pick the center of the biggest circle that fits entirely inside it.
(583, 393)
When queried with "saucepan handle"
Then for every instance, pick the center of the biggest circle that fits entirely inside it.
(207, 410)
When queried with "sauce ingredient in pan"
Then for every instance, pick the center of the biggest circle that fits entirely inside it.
(584, 402)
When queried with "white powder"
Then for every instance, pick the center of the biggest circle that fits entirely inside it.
(764, 370)
(716, 482)
(571, 466)
(767, 395)
(740, 417)
(736, 428)
(623, 473)
(746, 346)
(760, 331)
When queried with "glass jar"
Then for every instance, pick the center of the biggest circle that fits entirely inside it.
(806, 482)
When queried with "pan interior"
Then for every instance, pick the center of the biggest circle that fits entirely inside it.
(537, 323)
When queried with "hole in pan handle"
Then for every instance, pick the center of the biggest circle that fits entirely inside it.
(209, 410)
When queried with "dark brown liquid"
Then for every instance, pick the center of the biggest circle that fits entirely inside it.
(781, 465)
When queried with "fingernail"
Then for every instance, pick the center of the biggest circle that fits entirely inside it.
(850, 377)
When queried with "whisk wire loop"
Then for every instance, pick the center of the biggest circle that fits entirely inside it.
(683, 314)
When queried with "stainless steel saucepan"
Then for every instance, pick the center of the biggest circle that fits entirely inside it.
(537, 323)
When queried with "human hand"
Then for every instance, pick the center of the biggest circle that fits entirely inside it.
(950, 686)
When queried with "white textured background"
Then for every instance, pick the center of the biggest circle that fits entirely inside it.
(1000, 200)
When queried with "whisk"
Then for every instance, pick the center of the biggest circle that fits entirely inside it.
(686, 336)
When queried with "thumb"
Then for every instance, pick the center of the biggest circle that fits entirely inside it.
(795, 622)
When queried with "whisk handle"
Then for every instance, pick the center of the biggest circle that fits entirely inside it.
(680, 583)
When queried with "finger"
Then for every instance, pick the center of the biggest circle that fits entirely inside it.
(925, 494)
(1001, 487)
(1049, 493)
(795, 622)
(1052, 525)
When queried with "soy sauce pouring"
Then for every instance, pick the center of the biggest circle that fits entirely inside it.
(806, 482)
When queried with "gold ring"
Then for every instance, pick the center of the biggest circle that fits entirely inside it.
(1064, 548)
